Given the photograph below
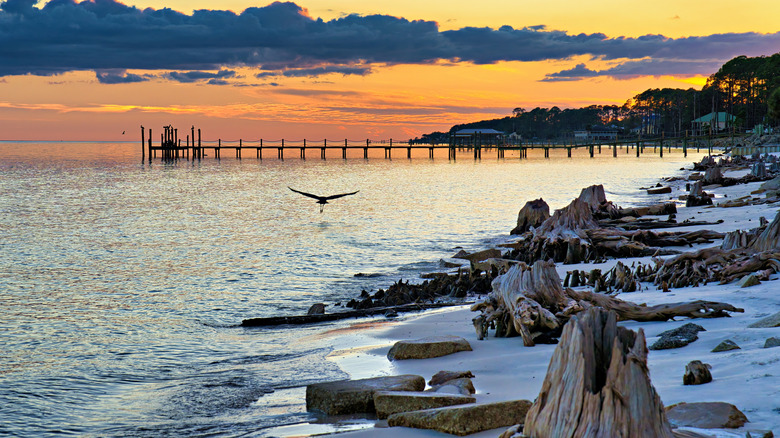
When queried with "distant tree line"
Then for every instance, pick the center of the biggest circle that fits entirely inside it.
(747, 88)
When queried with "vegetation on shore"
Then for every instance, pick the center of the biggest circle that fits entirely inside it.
(744, 87)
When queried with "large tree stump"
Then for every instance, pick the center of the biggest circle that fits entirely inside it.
(597, 385)
(531, 215)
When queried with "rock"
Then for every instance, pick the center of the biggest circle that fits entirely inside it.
(759, 434)
(709, 415)
(464, 420)
(462, 386)
(531, 215)
(771, 185)
(454, 262)
(697, 373)
(426, 348)
(748, 281)
(768, 322)
(679, 337)
(391, 402)
(685, 433)
(479, 255)
(726, 345)
(445, 376)
(772, 342)
(659, 190)
(356, 396)
(316, 309)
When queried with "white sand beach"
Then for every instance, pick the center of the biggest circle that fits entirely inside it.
(504, 369)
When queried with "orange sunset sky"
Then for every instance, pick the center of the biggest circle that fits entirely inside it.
(346, 68)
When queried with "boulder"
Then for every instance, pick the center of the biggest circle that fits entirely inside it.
(708, 415)
(446, 376)
(392, 402)
(679, 337)
(697, 373)
(426, 348)
(356, 396)
(478, 256)
(316, 309)
(659, 190)
(772, 342)
(772, 185)
(462, 386)
(726, 345)
(768, 322)
(748, 281)
(464, 420)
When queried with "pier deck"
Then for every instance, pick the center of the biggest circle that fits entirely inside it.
(171, 147)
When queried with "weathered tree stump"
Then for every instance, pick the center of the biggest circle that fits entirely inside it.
(597, 385)
(713, 175)
(531, 215)
(769, 238)
(697, 196)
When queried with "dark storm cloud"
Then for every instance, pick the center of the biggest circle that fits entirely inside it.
(105, 35)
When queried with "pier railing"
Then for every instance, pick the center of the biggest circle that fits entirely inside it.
(173, 147)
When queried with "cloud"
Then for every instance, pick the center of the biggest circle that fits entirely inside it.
(282, 39)
(316, 71)
(217, 78)
(319, 71)
(119, 77)
(642, 67)
(572, 74)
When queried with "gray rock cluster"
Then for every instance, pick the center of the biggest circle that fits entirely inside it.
(679, 337)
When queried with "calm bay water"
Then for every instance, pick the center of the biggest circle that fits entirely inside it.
(121, 282)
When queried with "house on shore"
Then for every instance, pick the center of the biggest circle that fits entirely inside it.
(718, 121)
(596, 133)
(479, 137)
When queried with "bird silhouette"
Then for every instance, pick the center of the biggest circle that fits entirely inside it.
(123, 132)
(322, 200)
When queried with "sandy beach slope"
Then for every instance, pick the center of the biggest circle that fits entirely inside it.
(506, 370)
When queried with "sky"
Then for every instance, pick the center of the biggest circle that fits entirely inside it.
(314, 69)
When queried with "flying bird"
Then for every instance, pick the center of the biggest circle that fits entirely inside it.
(322, 200)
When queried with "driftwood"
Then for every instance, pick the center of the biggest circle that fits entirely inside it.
(530, 301)
(322, 317)
(597, 385)
(741, 253)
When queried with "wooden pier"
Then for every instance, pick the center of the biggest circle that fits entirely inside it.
(173, 147)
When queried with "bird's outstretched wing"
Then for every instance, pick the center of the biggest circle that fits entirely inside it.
(339, 196)
(305, 194)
